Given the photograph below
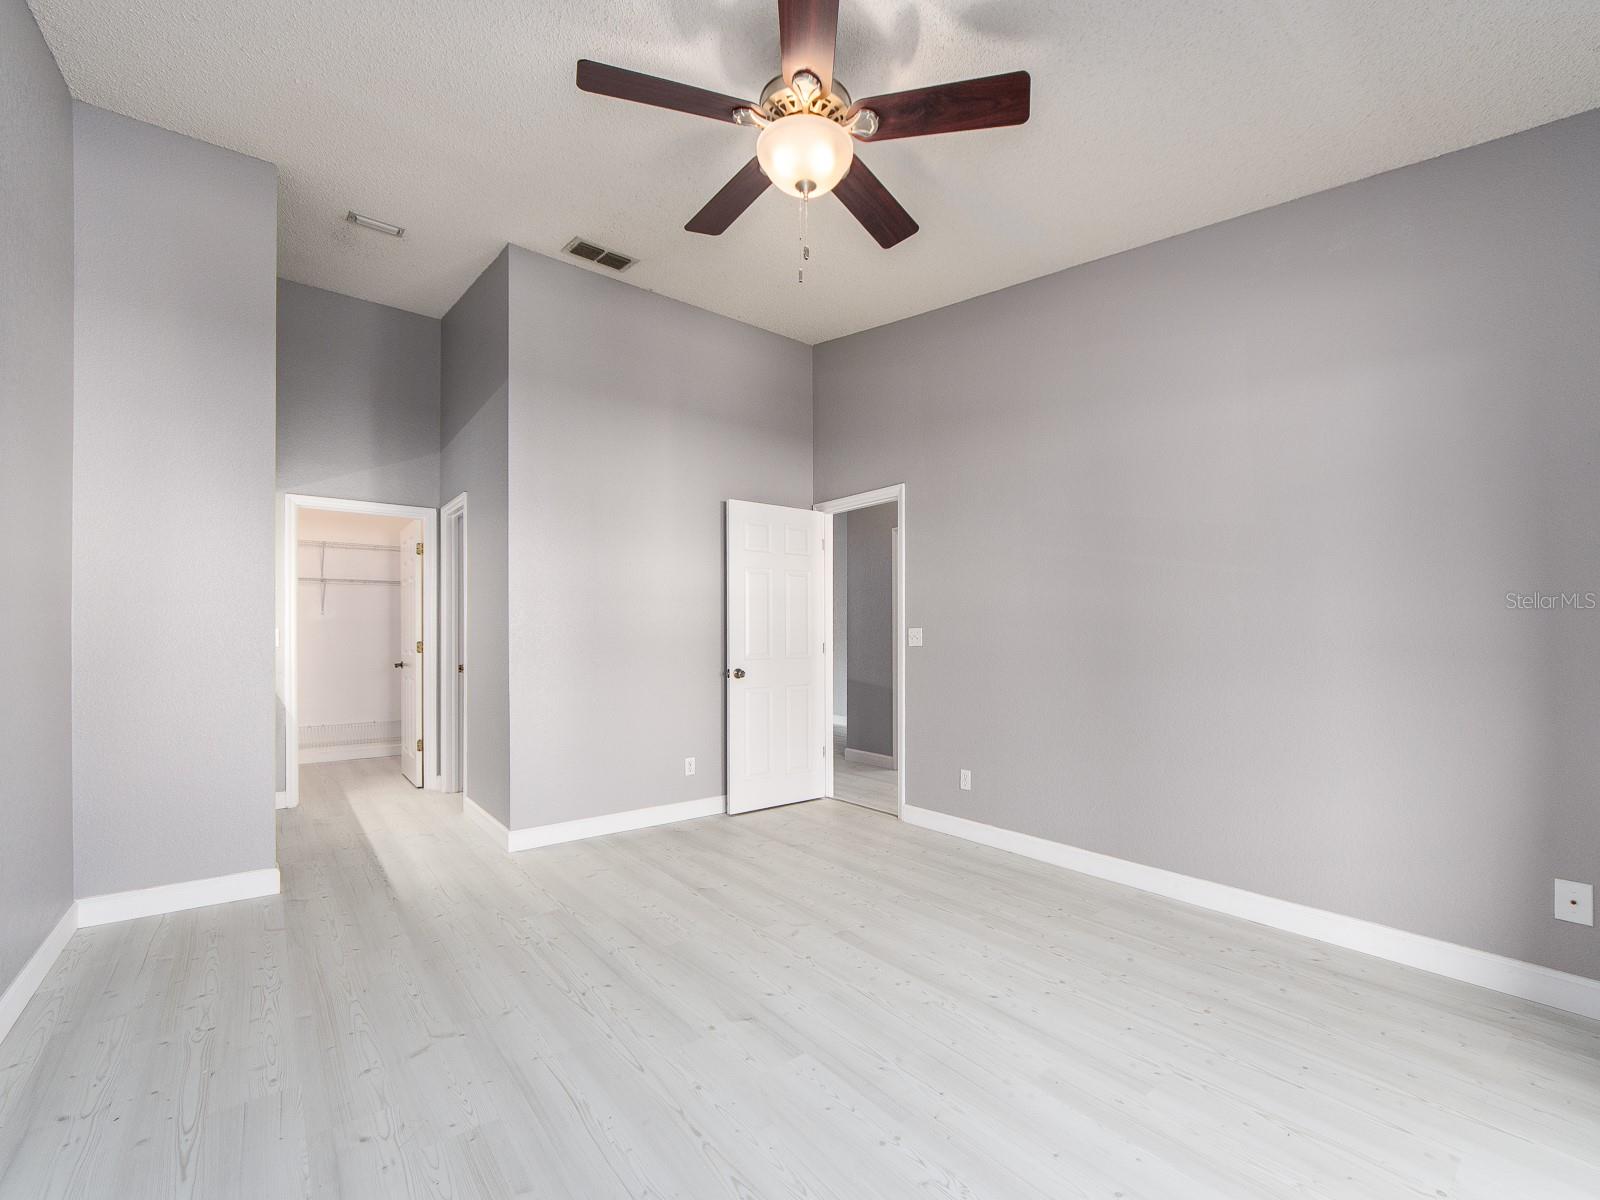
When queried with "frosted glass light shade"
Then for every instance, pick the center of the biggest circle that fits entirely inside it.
(804, 154)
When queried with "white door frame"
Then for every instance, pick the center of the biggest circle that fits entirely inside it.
(894, 494)
(289, 573)
(453, 645)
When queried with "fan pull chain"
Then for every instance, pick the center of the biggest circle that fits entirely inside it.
(805, 246)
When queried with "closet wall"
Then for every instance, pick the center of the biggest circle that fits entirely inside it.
(348, 635)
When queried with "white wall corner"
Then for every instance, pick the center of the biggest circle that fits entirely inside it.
(34, 972)
(1527, 981)
(177, 897)
(638, 818)
(285, 800)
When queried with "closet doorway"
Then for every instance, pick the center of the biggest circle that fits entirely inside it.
(359, 657)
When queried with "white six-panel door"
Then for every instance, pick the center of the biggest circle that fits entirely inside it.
(410, 648)
(778, 734)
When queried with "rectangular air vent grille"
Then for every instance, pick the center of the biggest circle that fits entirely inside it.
(599, 254)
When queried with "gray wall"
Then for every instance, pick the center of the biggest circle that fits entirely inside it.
(1212, 542)
(472, 459)
(358, 411)
(870, 607)
(172, 506)
(358, 398)
(633, 418)
(35, 486)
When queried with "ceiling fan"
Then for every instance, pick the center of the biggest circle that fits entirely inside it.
(810, 126)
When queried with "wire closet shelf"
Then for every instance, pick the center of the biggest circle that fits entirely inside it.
(322, 577)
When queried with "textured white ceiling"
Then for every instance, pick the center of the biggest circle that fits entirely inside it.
(460, 121)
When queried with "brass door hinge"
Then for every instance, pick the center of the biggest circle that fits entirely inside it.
(419, 745)
(419, 647)
(419, 547)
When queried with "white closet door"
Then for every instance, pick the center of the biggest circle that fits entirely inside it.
(778, 731)
(410, 652)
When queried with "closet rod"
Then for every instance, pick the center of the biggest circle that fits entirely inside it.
(352, 546)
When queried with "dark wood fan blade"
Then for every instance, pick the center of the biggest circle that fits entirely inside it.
(606, 80)
(986, 103)
(807, 32)
(738, 194)
(871, 204)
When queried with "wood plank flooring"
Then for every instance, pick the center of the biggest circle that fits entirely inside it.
(807, 1002)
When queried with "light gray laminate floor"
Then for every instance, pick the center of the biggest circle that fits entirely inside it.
(861, 783)
(814, 1001)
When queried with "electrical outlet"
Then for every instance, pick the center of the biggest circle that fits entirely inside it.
(1575, 902)
(914, 636)
(688, 766)
(966, 780)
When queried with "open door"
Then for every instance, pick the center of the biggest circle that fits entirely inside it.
(409, 659)
(778, 725)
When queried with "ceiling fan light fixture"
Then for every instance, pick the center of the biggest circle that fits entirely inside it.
(804, 155)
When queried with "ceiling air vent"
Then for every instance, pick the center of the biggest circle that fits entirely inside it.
(599, 254)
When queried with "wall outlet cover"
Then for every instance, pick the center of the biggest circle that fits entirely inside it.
(688, 766)
(966, 780)
(914, 636)
(1574, 902)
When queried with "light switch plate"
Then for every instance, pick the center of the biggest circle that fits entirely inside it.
(914, 636)
(1575, 902)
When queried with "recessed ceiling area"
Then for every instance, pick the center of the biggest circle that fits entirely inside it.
(461, 122)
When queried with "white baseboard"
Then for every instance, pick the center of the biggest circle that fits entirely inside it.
(869, 758)
(283, 800)
(1558, 989)
(176, 897)
(21, 989)
(326, 754)
(485, 821)
(638, 818)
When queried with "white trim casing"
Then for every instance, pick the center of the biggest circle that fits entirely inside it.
(869, 757)
(176, 897)
(453, 646)
(293, 502)
(283, 800)
(34, 972)
(1572, 993)
(895, 494)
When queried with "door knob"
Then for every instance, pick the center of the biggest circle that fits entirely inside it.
(738, 672)
(399, 664)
